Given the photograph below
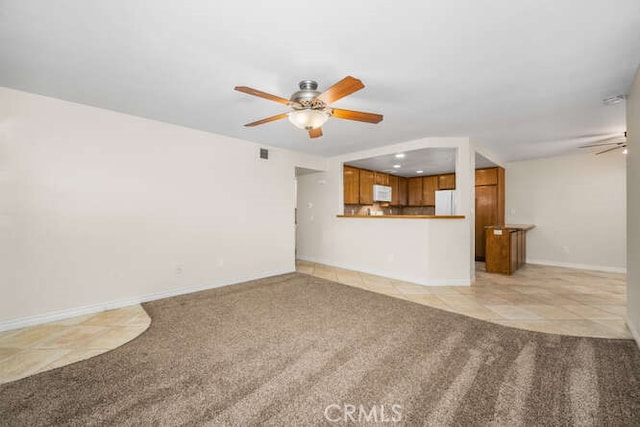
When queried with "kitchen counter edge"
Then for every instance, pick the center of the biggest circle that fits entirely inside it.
(403, 216)
(525, 227)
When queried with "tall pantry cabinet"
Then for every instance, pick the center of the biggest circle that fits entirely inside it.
(490, 187)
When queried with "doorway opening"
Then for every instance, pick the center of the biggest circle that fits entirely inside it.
(301, 194)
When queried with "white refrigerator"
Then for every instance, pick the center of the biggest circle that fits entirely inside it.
(446, 202)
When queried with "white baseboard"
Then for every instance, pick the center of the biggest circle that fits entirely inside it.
(109, 305)
(634, 332)
(591, 267)
(391, 275)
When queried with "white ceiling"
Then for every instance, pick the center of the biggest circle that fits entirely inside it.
(523, 78)
(430, 161)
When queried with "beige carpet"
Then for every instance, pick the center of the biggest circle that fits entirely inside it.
(300, 350)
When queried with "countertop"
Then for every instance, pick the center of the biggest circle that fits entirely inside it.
(402, 216)
(524, 227)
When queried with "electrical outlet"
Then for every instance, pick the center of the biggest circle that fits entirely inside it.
(179, 269)
(220, 262)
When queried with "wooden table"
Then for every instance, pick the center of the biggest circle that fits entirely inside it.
(506, 247)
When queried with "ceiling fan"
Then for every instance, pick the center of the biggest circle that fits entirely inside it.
(618, 142)
(310, 109)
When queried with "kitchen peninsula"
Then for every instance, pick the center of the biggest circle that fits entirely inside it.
(348, 223)
(506, 247)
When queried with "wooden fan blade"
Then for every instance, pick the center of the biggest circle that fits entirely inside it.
(261, 94)
(267, 120)
(610, 149)
(344, 87)
(315, 133)
(601, 144)
(356, 115)
(620, 139)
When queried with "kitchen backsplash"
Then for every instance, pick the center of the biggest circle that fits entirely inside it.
(419, 210)
(388, 210)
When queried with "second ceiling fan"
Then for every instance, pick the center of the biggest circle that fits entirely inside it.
(310, 109)
(616, 142)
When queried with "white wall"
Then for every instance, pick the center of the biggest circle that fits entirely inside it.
(578, 204)
(99, 208)
(429, 251)
(633, 209)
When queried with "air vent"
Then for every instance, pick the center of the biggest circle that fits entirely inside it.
(264, 153)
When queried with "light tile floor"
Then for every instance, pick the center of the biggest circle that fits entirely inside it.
(27, 351)
(537, 298)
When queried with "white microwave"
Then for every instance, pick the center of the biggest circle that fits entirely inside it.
(381, 193)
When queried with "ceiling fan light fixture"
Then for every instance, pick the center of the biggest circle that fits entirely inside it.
(308, 118)
(310, 109)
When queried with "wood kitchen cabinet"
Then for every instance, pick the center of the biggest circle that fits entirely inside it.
(403, 191)
(414, 190)
(398, 186)
(429, 187)
(393, 183)
(380, 178)
(447, 181)
(488, 176)
(351, 184)
(506, 248)
(486, 214)
(489, 204)
(366, 187)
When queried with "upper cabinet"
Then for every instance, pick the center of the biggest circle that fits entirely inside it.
(429, 187)
(487, 176)
(366, 187)
(351, 180)
(422, 190)
(414, 191)
(403, 191)
(447, 181)
(393, 183)
(380, 178)
(398, 186)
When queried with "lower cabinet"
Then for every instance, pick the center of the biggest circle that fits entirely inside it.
(505, 249)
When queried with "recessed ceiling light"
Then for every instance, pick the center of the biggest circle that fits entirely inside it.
(396, 166)
(400, 156)
(419, 171)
